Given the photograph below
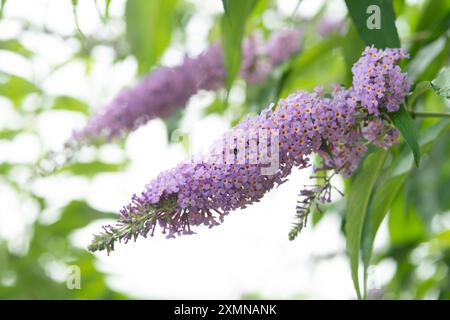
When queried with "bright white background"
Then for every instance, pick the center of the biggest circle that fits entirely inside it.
(249, 253)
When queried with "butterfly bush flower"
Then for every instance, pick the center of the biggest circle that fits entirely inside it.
(163, 91)
(379, 81)
(233, 173)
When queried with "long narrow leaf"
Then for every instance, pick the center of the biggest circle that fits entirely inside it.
(379, 205)
(233, 27)
(404, 123)
(149, 29)
(357, 202)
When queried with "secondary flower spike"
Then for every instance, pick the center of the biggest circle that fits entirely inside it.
(238, 169)
(166, 89)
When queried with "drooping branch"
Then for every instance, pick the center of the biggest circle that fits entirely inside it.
(238, 170)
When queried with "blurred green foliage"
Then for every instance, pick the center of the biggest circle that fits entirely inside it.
(416, 201)
(233, 27)
(33, 275)
(149, 29)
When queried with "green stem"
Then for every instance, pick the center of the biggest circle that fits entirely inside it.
(416, 114)
(2, 6)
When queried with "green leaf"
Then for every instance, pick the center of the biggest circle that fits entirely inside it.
(70, 104)
(75, 215)
(432, 134)
(217, 106)
(420, 89)
(405, 226)
(309, 57)
(15, 46)
(106, 13)
(90, 169)
(352, 48)
(388, 188)
(387, 35)
(5, 167)
(8, 134)
(434, 21)
(75, 17)
(233, 27)
(442, 83)
(404, 123)
(2, 7)
(280, 82)
(424, 58)
(357, 202)
(427, 139)
(380, 203)
(442, 239)
(149, 29)
(16, 88)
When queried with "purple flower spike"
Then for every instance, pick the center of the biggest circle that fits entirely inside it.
(260, 152)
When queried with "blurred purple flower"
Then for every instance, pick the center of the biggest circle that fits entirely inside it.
(167, 89)
(280, 45)
(329, 25)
